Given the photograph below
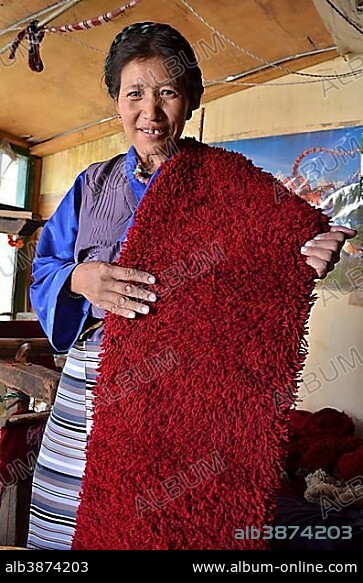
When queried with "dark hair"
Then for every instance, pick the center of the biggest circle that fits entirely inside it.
(143, 40)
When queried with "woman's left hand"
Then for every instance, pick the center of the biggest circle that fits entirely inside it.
(323, 252)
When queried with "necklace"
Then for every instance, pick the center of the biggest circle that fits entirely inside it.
(141, 174)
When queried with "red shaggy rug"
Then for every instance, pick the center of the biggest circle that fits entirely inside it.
(192, 402)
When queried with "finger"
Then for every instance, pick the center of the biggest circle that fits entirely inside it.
(349, 232)
(122, 303)
(110, 307)
(319, 253)
(128, 289)
(328, 244)
(321, 267)
(331, 236)
(131, 274)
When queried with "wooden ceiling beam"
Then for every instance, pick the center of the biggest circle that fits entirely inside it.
(220, 90)
(14, 140)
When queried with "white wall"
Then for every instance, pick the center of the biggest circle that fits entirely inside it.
(334, 367)
(289, 109)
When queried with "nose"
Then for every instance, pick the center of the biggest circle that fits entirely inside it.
(151, 107)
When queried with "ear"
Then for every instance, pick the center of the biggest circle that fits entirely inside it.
(189, 111)
(115, 101)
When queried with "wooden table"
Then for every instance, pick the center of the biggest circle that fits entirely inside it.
(24, 350)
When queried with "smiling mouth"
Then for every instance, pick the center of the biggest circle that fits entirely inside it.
(152, 132)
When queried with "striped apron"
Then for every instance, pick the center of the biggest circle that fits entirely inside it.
(61, 461)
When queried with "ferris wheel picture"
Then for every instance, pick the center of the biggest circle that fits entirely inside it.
(324, 168)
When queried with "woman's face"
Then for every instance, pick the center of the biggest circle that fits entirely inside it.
(153, 107)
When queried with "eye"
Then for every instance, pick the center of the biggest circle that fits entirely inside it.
(168, 93)
(134, 94)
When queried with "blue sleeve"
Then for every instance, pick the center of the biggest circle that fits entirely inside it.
(61, 316)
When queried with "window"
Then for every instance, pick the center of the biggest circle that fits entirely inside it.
(13, 178)
(14, 174)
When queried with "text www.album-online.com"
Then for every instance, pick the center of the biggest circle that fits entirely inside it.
(297, 567)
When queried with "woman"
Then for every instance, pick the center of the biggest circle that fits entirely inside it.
(74, 278)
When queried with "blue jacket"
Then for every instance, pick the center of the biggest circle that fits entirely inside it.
(62, 316)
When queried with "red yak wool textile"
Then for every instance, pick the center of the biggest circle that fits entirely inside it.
(192, 401)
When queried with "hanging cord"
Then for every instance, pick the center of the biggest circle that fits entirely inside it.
(19, 24)
(93, 22)
(260, 59)
(74, 39)
(62, 8)
(34, 35)
(35, 31)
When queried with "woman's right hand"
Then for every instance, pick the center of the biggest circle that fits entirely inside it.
(109, 287)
